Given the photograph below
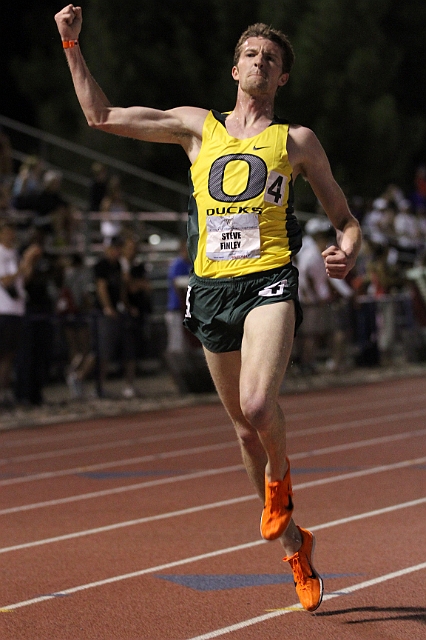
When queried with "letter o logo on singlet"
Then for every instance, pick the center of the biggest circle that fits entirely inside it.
(256, 182)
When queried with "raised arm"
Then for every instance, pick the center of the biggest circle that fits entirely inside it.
(182, 125)
(309, 160)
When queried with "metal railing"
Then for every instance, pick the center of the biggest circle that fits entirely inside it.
(46, 140)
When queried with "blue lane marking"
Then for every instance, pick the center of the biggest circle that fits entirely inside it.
(111, 475)
(298, 471)
(238, 581)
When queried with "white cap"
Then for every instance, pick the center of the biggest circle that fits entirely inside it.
(317, 225)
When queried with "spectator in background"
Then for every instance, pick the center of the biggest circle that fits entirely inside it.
(407, 231)
(53, 212)
(377, 223)
(138, 298)
(27, 184)
(177, 285)
(14, 271)
(324, 301)
(384, 277)
(183, 355)
(34, 354)
(112, 303)
(6, 161)
(113, 205)
(74, 305)
(5, 199)
(419, 195)
(98, 186)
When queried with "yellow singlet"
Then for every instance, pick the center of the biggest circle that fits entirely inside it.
(241, 217)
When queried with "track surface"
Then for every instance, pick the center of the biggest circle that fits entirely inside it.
(146, 527)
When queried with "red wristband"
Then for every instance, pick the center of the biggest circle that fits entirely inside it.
(69, 44)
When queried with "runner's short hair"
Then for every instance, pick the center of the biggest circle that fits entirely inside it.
(261, 30)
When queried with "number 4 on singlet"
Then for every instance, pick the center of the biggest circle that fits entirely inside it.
(275, 188)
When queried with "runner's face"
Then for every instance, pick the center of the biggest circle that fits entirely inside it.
(259, 69)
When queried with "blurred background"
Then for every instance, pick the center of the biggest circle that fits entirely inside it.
(358, 82)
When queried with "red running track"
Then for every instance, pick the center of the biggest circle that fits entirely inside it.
(146, 527)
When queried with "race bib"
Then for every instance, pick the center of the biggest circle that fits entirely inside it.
(233, 237)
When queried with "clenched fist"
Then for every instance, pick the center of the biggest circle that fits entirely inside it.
(69, 21)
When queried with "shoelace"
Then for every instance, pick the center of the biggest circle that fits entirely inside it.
(298, 572)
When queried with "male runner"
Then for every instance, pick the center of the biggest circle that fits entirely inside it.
(242, 298)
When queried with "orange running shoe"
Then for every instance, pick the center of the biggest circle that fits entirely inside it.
(309, 585)
(278, 508)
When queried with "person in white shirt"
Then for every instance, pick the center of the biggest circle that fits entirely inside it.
(13, 273)
(324, 300)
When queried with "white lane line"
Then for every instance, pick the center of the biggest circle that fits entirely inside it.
(132, 487)
(366, 422)
(297, 606)
(129, 461)
(147, 423)
(121, 463)
(371, 442)
(208, 472)
(144, 423)
(131, 442)
(189, 511)
(204, 556)
(113, 444)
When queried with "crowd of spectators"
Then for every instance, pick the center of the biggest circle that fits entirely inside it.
(383, 301)
(101, 307)
(52, 299)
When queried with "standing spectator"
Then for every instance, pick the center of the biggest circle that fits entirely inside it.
(27, 184)
(75, 305)
(325, 302)
(407, 232)
(377, 223)
(34, 354)
(112, 205)
(138, 298)
(6, 162)
(182, 346)
(5, 199)
(53, 212)
(13, 273)
(314, 292)
(112, 303)
(98, 186)
(177, 284)
(384, 277)
(419, 195)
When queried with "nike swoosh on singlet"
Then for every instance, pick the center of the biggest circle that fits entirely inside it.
(258, 148)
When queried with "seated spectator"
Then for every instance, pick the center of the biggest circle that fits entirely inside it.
(14, 271)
